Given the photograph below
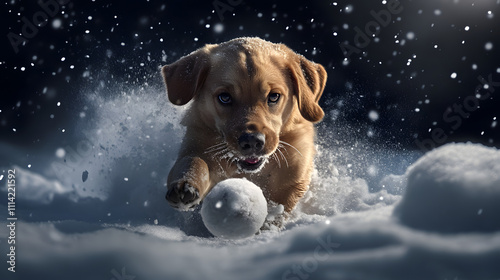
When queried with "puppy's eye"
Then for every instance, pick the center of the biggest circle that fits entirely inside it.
(225, 98)
(273, 97)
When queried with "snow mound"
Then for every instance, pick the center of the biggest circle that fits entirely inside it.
(36, 189)
(234, 209)
(455, 188)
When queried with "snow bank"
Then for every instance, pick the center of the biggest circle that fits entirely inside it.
(455, 188)
(351, 246)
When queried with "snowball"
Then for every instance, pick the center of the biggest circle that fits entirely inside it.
(234, 209)
(455, 188)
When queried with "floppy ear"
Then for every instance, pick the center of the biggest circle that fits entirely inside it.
(185, 77)
(309, 80)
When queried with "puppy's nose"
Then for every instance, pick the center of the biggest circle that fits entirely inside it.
(252, 142)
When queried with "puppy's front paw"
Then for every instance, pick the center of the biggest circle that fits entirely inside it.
(183, 196)
(276, 217)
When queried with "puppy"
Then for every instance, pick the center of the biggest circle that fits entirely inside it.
(251, 116)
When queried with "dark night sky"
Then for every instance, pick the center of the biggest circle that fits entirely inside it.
(396, 91)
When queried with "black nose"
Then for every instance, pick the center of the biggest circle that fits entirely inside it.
(252, 142)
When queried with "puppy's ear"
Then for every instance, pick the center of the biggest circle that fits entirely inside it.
(186, 76)
(309, 80)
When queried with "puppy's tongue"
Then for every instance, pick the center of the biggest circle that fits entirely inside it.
(251, 160)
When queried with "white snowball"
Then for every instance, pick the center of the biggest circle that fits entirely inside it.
(234, 209)
(455, 188)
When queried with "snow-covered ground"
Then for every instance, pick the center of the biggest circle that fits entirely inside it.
(95, 209)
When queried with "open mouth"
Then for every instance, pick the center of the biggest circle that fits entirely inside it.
(251, 164)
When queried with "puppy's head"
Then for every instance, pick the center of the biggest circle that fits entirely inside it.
(249, 91)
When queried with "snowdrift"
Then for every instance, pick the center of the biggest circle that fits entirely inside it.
(438, 220)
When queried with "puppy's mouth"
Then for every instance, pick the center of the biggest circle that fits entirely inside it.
(251, 164)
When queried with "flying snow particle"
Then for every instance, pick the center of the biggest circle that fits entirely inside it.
(488, 46)
(348, 9)
(1, 177)
(467, 28)
(453, 75)
(85, 175)
(372, 170)
(373, 115)
(218, 28)
(60, 153)
(437, 12)
(58, 104)
(63, 58)
(56, 23)
(125, 179)
(29, 165)
(410, 35)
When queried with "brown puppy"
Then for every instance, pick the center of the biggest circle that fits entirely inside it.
(254, 105)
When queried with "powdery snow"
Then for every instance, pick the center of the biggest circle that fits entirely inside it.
(445, 224)
(456, 188)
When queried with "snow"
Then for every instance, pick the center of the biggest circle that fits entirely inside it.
(234, 209)
(437, 220)
(467, 177)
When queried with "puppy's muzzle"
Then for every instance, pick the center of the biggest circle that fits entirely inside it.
(251, 147)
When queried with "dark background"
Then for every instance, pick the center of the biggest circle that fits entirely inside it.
(88, 43)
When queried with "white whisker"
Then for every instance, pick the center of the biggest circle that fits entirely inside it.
(282, 155)
(283, 142)
(216, 148)
(224, 152)
(275, 157)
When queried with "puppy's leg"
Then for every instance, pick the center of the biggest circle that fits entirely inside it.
(188, 182)
(290, 196)
(281, 205)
